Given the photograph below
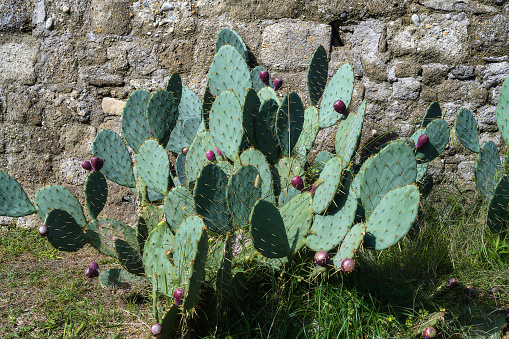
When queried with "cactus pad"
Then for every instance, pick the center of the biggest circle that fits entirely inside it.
(297, 218)
(249, 111)
(64, 233)
(267, 93)
(241, 193)
(321, 159)
(254, 157)
(433, 112)
(331, 179)
(438, 133)
(498, 212)
(350, 244)
(148, 219)
(488, 169)
(309, 129)
(258, 84)
(268, 230)
(503, 111)
(174, 87)
(128, 255)
(115, 277)
(286, 195)
(289, 122)
(134, 121)
(340, 87)
(317, 75)
(154, 166)
(466, 130)
(102, 233)
(96, 193)
(229, 37)
(289, 167)
(58, 197)
(349, 132)
(195, 158)
(13, 199)
(180, 168)
(265, 125)
(162, 114)
(178, 205)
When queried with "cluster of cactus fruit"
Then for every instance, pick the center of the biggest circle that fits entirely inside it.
(256, 186)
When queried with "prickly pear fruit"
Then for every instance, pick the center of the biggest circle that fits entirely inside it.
(94, 265)
(321, 258)
(264, 76)
(340, 107)
(185, 150)
(429, 332)
(348, 265)
(97, 163)
(43, 230)
(277, 82)
(210, 155)
(156, 329)
(219, 152)
(178, 295)
(313, 190)
(87, 165)
(297, 182)
(423, 140)
(452, 282)
(91, 273)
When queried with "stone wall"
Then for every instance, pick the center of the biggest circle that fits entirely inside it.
(66, 65)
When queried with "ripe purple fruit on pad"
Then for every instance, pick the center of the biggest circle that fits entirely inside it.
(264, 77)
(429, 332)
(43, 230)
(87, 165)
(97, 163)
(340, 107)
(219, 152)
(185, 150)
(321, 258)
(277, 82)
(91, 273)
(423, 140)
(348, 265)
(178, 295)
(156, 329)
(297, 182)
(210, 155)
(94, 265)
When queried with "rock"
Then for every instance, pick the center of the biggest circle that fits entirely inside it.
(486, 119)
(49, 23)
(452, 90)
(416, 20)
(17, 61)
(406, 89)
(110, 17)
(434, 73)
(364, 37)
(492, 74)
(338, 58)
(290, 44)
(15, 15)
(466, 170)
(65, 8)
(112, 106)
(462, 72)
(29, 221)
(407, 69)
(376, 91)
(166, 6)
(99, 77)
(468, 6)
(491, 34)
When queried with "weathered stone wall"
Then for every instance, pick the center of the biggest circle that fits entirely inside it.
(64, 64)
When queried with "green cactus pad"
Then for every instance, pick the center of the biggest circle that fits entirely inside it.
(421, 170)
(488, 169)
(64, 233)
(340, 87)
(225, 122)
(241, 193)
(178, 205)
(349, 132)
(96, 193)
(180, 168)
(208, 100)
(321, 159)
(256, 158)
(229, 71)
(503, 111)
(57, 197)
(174, 87)
(392, 218)
(258, 84)
(498, 212)
(267, 93)
(265, 125)
(190, 257)
(195, 158)
(289, 123)
(117, 166)
(183, 134)
(309, 129)
(159, 247)
(297, 218)
(148, 219)
(129, 256)
(134, 121)
(210, 198)
(190, 105)
(229, 37)
(116, 277)
(162, 114)
(171, 322)
(394, 166)
(330, 179)
(154, 166)
(286, 195)
(317, 75)
(466, 130)
(433, 112)
(289, 167)
(249, 112)
(224, 278)
(350, 244)
(438, 133)
(328, 230)
(13, 199)
(268, 230)
(102, 233)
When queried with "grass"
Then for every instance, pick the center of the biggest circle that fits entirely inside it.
(393, 293)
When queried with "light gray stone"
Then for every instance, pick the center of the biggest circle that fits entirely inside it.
(97, 76)
(338, 58)
(17, 61)
(364, 37)
(415, 19)
(491, 34)
(113, 106)
(469, 6)
(493, 74)
(406, 89)
(290, 44)
(377, 91)
(462, 72)
(466, 170)
(397, 110)
(486, 119)
(39, 14)
(29, 221)
(434, 73)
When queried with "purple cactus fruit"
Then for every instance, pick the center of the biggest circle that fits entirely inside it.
(321, 258)
(264, 76)
(348, 265)
(298, 183)
(87, 165)
(277, 82)
(340, 107)
(452, 282)
(91, 272)
(94, 265)
(43, 230)
(178, 295)
(423, 140)
(313, 190)
(97, 163)
(219, 152)
(156, 329)
(210, 155)
(429, 332)
(185, 150)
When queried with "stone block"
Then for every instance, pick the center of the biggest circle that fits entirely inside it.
(113, 106)
(462, 72)
(290, 44)
(99, 76)
(468, 6)
(490, 34)
(376, 91)
(406, 89)
(340, 57)
(17, 60)
(492, 74)
(434, 73)
(16, 15)
(110, 17)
